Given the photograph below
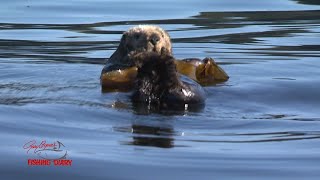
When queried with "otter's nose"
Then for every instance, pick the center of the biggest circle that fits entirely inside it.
(154, 39)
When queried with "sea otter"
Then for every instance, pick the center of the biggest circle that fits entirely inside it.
(120, 72)
(158, 84)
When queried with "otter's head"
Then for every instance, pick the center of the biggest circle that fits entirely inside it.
(142, 38)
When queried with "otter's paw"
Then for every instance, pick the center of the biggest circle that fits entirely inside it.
(142, 58)
(138, 58)
(208, 72)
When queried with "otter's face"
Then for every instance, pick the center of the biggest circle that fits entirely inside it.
(146, 39)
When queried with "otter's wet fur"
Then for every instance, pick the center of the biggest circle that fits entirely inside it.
(159, 84)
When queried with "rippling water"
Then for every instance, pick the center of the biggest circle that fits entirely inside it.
(263, 123)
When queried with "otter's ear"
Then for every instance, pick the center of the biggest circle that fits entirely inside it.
(123, 41)
(121, 51)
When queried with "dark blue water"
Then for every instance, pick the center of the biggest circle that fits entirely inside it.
(264, 123)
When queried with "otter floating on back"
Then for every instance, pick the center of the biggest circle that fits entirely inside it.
(149, 42)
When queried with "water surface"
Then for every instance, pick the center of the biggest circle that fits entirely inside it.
(262, 124)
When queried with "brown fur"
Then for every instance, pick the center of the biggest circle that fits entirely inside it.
(158, 82)
(157, 74)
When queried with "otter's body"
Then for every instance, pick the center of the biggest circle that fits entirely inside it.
(159, 84)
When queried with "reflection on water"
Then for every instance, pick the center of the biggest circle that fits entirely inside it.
(152, 136)
(148, 140)
(145, 109)
(49, 89)
(315, 2)
(158, 136)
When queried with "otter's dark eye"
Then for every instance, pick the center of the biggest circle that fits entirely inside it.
(162, 34)
(136, 36)
(129, 47)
